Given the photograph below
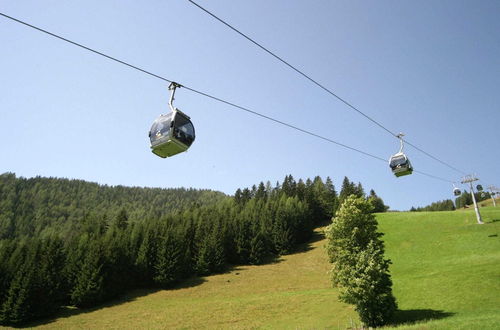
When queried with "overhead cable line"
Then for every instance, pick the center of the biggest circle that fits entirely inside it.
(210, 96)
(433, 176)
(315, 82)
(293, 68)
(85, 47)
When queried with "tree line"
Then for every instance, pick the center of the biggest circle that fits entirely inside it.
(465, 198)
(58, 248)
(38, 206)
(461, 201)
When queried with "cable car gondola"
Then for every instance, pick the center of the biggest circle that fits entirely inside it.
(172, 133)
(479, 187)
(399, 163)
(456, 191)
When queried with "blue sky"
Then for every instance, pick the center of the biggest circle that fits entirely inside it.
(430, 69)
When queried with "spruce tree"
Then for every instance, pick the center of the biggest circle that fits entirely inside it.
(257, 249)
(17, 307)
(88, 289)
(376, 202)
(168, 266)
(121, 220)
(261, 192)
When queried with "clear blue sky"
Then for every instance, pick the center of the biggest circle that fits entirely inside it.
(430, 69)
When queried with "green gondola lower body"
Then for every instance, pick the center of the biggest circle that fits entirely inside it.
(401, 171)
(168, 147)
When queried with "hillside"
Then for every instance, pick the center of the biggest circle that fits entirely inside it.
(445, 273)
(488, 202)
(30, 207)
(446, 267)
(59, 249)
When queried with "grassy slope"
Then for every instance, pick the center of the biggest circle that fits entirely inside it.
(445, 268)
(488, 202)
(294, 291)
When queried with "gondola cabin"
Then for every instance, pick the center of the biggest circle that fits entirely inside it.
(400, 165)
(171, 134)
(457, 192)
(479, 187)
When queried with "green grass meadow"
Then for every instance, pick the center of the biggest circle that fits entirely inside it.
(446, 274)
(446, 267)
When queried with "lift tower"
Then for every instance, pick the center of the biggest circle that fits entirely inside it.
(493, 191)
(469, 179)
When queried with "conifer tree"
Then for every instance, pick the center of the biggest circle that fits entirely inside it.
(49, 292)
(246, 195)
(346, 190)
(238, 196)
(331, 198)
(146, 257)
(376, 202)
(121, 220)
(17, 307)
(301, 190)
(282, 233)
(261, 194)
(88, 289)
(168, 266)
(258, 249)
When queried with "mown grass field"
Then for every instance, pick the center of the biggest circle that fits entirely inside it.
(446, 273)
(446, 267)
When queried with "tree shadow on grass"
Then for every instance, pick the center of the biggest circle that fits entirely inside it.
(410, 316)
(132, 295)
(275, 259)
(307, 246)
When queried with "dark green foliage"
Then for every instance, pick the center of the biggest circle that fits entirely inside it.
(261, 194)
(377, 203)
(169, 259)
(72, 242)
(359, 268)
(121, 220)
(88, 288)
(462, 201)
(145, 258)
(28, 207)
(350, 188)
(35, 289)
(446, 205)
(465, 199)
(117, 263)
(322, 199)
(18, 303)
(210, 257)
(258, 250)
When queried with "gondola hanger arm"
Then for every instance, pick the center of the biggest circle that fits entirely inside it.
(172, 87)
(400, 137)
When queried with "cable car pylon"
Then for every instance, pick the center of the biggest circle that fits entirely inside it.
(469, 179)
(493, 192)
